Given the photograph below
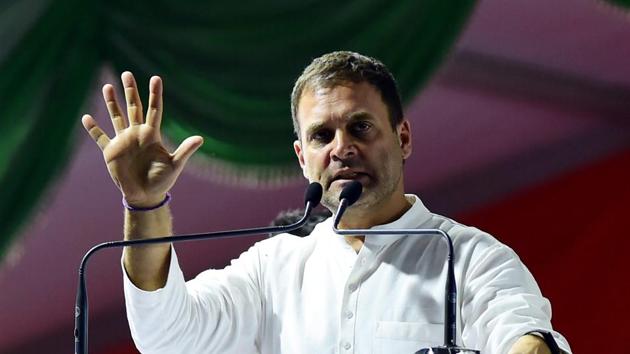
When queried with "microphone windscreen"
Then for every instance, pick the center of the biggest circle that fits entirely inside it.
(313, 194)
(351, 192)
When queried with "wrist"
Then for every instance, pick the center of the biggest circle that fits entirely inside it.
(147, 204)
(547, 338)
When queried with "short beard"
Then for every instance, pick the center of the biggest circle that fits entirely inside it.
(370, 197)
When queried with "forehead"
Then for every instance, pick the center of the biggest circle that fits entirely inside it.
(338, 103)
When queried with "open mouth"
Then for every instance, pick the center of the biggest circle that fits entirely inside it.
(349, 176)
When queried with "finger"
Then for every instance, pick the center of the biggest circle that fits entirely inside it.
(97, 134)
(134, 105)
(185, 150)
(154, 112)
(118, 120)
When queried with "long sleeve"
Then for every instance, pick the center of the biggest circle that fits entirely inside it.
(217, 312)
(503, 302)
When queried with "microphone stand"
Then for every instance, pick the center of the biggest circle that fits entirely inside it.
(313, 196)
(450, 296)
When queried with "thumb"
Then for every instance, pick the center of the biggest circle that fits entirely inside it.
(185, 150)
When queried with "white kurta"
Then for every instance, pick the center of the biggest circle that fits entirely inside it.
(317, 295)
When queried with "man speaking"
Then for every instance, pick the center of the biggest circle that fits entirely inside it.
(323, 293)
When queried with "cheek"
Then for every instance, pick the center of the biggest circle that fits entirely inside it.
(314, 164)
(387, 160)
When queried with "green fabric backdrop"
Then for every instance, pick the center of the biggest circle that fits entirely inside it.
(228, 69)
(622, 3)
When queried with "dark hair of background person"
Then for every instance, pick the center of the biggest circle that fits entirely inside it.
(290, 216)
(343, 67)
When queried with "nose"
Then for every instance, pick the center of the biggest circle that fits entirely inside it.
(343, 146)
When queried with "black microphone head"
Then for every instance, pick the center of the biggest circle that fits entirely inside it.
(351, 192)
(313, 194)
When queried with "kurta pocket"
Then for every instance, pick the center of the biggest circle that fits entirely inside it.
(406, 337)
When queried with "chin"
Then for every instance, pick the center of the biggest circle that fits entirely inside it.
(331, 204)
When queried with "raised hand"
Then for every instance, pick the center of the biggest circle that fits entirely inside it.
(136, 159)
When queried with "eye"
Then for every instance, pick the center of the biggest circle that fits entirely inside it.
(321, 136)
(361, 127)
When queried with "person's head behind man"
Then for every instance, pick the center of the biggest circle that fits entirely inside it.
(350, 126)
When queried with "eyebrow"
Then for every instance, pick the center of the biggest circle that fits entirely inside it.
(352, 117)
(313, 128)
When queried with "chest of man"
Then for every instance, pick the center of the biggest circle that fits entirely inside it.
(385, 299)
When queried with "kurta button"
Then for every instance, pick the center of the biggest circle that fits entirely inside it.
(363, 261)
(347, 346)
(352, 287)
(349, 314)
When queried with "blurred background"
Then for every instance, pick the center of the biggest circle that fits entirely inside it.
(520, 113)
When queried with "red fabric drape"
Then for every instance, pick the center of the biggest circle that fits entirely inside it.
(572, 233)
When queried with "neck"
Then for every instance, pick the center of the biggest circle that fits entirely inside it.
(365, 217)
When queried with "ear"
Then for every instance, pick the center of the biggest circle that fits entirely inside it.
(404, 138)
(297, 147)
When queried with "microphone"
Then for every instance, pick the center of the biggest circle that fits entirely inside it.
(348, 196)
(312, 197)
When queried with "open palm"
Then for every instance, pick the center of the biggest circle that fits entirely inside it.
(136, 159)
